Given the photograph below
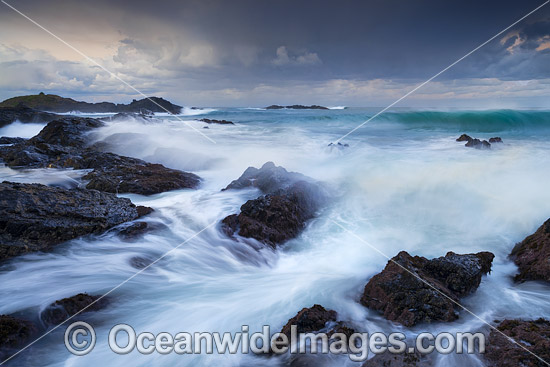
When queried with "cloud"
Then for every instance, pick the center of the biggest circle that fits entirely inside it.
(305, 58)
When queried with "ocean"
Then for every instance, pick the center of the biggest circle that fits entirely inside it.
(403, 183)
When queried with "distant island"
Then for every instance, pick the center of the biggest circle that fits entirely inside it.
(55, 103)
(296, 107)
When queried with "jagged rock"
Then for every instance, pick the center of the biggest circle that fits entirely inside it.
(24, 114)
(35, 217)
(478, 144)
(61, 310)
(269, 178)
(62, 144)
(278, 217)
(10, 140)
(219, 122)
(310, 320)
(532, 255)
(408, 300)
(464, 137)
(532, 335)
(495, 140)
(14, 335)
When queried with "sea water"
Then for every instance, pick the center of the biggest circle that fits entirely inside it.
(403, 183)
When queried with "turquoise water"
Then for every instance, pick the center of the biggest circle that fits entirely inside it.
(402, 184)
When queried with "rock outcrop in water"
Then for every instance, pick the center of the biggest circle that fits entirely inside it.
(269, 178)
(63, 144)
(403, 297)
(278, 217)
(62, 309)
(477, 143)
(296, 107)
(35, 217)
(309, 320)
(14, 335)
(532, 255)
(218, 122)
(532, 335)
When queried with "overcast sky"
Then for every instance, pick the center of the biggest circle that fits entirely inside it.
(260, 52)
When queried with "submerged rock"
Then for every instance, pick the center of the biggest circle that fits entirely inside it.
(277, 217)
(478, 144)
(405, 298)
(495, 140)
(36, 217)
(532, 335)
(532, 255)
(219, 122)
(14, 335)
(61, 310)
(269, 178)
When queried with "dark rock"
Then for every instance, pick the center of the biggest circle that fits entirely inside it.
(35, 217)
(532, 255)
(139, 262)
(268, 179)
(14, 335)
(54, 103)
(68, 132)
(62, 144)
(309, 320)
(495, 140)
(532, 335)
(139, 178)
(10, 140)
(296, 107)
(404, 298)
(478, 144)
(220, 122)
(278, 217)
(388, 359)
(61, 310)
(464, 137)
(24, 114)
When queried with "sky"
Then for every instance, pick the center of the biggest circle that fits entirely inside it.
(263, 52)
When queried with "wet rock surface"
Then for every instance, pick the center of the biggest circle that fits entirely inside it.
(310, 320)
(36, 217)
(277, 217)
(11, 140)
(25, 115)
(61, 310)
(532, 335)
(532, 255)
(15, 334)
(269, 178)
(404, 298)
(63, 144)
(219, 122)
(388, 359)
(477, 143)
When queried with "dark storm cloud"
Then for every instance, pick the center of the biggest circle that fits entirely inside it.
(212, 44)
